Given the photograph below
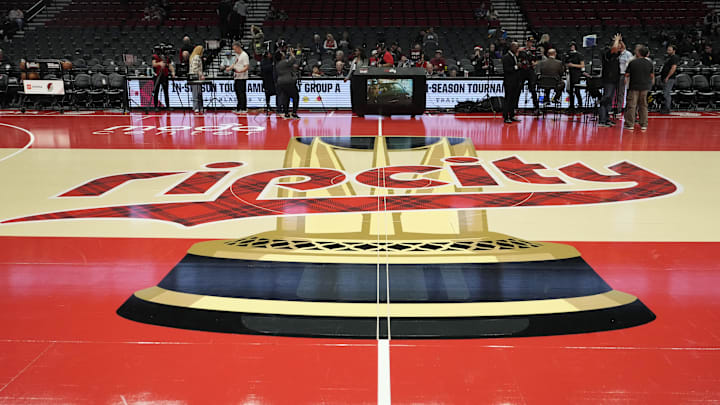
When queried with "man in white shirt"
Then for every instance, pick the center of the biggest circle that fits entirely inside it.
(624, 58)
(240, 67)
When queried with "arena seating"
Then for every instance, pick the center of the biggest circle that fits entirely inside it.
(113, 13)
(96, 34)
(103, 42)
(646, 13)
(363, 13)
(456, 42)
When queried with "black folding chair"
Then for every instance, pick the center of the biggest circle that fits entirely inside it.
(704, 94)
(548, 84)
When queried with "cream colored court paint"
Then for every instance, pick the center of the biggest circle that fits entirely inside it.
(31, 180)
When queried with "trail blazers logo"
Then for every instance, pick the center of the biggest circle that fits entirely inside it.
(246, 195)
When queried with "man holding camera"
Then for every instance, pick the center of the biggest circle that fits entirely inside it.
(240, 67)
(610, 80)
(163, 68)
(527, 58)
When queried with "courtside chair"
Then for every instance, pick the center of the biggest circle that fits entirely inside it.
(704, 94)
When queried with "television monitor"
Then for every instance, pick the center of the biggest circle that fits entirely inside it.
(389, 91)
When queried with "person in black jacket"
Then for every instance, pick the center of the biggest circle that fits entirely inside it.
(287, 83)
(511, 81)
(610, 80)
(267, 72)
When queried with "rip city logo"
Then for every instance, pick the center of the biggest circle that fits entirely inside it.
(224, 129)
(250, 194)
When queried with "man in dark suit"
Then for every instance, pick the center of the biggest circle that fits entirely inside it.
(553, 68)
(511, 81)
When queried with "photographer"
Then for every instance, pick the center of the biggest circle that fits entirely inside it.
(163, 67)
(287, 82)
(610, 79)
(196, 72)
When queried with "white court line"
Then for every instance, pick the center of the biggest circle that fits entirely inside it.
(383, 372)
(383, 345)
(30, 134)
(27, 367)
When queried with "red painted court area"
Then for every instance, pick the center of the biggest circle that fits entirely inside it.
(61, 340)
(230, 131)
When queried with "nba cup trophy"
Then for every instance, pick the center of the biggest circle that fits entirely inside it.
(421, 274)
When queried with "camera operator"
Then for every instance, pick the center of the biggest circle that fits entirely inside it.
(575, 64)
(240, 66)
(527, 59)
(163, 67)
(287, 82)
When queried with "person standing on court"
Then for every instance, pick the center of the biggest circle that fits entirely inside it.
(267, 71)
(624, 56)
(528, 57)
(287, 82)
(668, 73)
(511, 82)
(240, 67)
(640, 77)
(575, 65)
(610, 80)
(196, 73)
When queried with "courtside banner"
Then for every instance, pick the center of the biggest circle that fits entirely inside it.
(446, 93)
(44, 87)
(315, 93)
(324, 93)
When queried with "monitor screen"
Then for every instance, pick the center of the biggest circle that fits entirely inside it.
(390, 91)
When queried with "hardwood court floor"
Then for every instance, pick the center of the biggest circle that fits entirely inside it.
(62, 280)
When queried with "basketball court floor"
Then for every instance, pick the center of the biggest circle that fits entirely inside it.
(172, 258)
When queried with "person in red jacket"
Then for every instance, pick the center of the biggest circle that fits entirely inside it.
(438, 62)
(385, 58)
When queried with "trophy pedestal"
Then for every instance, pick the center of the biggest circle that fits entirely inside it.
(489, 286)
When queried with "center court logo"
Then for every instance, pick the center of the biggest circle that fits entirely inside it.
(408, 187)
(445, 273)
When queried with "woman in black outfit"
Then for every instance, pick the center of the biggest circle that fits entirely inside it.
(287, 83)
(267, 71)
